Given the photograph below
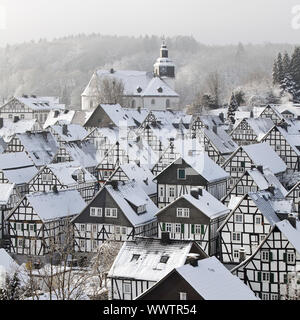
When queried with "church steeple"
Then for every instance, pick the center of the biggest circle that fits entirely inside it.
(164, 67)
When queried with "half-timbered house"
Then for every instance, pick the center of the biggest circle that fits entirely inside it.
(272, 272)
(285, 140)
(272, 113)
(9, 197)
(206, 279)
(41, 221)
(40, 147)
(30, 107)
(145, 261)
(195, 216)
(250, 221)
(17, 168)
(65, 175)
(120, 211)
(188, 172)
(251, 130)
(294, 194)
(253, 180)
(141, 174)
(245, 157)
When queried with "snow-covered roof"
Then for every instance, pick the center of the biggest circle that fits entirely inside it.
(291, 133)
(3, 145)
(18, 168)
(51, 205)
(158, 87)
(142, 175)
(292, 234)
(10, 128)
(207, 204)
(83, 152)
(221, 140)
(64, 171)
(74, 132)
(260, 126)
(6, 190)
(149, 252)
(130, 192)
(210, 121)
(40, 146)
(7, 263)
(213, 281)
(266, 179)
(59, 115)
(262, 154)
(40, 103)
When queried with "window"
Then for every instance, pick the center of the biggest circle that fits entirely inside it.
(141, 209)
(274, 296)
(236, 236)
(31, 227)
(172, 192)
(168, 103)
(265, 256)
(82, 227)
(19, 226)
(94, 228)
(181, 174)
(133, 104)
(236, 254)
(117, 230)
(290, 257)
(257, 220)
(182, 295)
(94, 244)
(262, 237)
(265, 296)
(164, 259)
(161, 191)
(169, 227)
(95, 212)
(82, 244)
(238, 218)
(265, 276)
(177, 228)
(20, 242)
(135, 257)
(10, 116)
(22, 116)
(153, 101)
(127, 288)
(124, 230)
(183, 212)
(111, 212)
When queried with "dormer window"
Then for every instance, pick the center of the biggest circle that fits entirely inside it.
(135, 257)
(160, 89)
(164, 259)
(141, 209)
(181, 174)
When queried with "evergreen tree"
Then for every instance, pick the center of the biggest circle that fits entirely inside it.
(286, 62)
(232, 108)
(295, 68)
(240, 97)
(280, 68)
(275, 73)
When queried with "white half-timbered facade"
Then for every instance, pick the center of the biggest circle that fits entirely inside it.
(41, 221)
(270, 112)
(249, 222)
(272, 272)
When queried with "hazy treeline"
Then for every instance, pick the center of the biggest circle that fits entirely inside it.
(63, 67)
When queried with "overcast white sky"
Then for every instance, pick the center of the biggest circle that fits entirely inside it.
(209, 21)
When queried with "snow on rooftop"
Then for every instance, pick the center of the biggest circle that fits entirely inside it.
(6, 190)
(55, 116)
(262, 154)
(148, 252)
(292, 234)
(214, 282)
(158, 87)
(41, 103)
(51, 205)
(260, 126)
(130, 192)
(74, 132)
(10, 128)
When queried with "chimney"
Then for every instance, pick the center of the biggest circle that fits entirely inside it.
(56, 113)
(195, 193)
(65, 129)
(1, 123)
(292, 220)
(194, 262)
(271, 189)
(112, 70)
(242, 252)
(16, 119)
(200, 192)
(114, 184)
(139, 109)
(221, 116)
(165, 238)
(260, 169)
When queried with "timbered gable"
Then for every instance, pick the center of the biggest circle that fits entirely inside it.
(272, 271)
(294, 194)
(249, 222)
(15, 145)
(271, 113)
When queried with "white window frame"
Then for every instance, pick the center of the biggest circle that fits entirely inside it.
(240, 215)
(97, 212)
(82, 227)
(173, 192)
(256, 220)
(265, 255)
(127, 285)
(178, 178)
(183, 212)
(182, 295)
(168, 227)
(236, 235)
(177, 225)
(111, 212)
(265, 276)
(288, 256)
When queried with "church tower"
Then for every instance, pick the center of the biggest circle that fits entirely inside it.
(164, 67)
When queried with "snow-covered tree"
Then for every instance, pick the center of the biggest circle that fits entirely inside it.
(232, 108)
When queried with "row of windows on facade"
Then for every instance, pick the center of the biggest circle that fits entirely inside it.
(48, 177)
(41, 117)
(180, 228)
(109, 212)
(239, 218)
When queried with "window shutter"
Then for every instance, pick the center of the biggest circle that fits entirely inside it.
(163, 227)
(202, 229)
(182, 228)
(259, 276)
(284, 257)
(22, 227)
(193, 229)
(34, 227)
(271, 256)
(15, 226)
(285, 278)
(272, 277)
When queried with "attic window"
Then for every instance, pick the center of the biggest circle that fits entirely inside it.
(141, 209)
(164, 259)
(160, 89)
(139, 89)
(135, 257)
